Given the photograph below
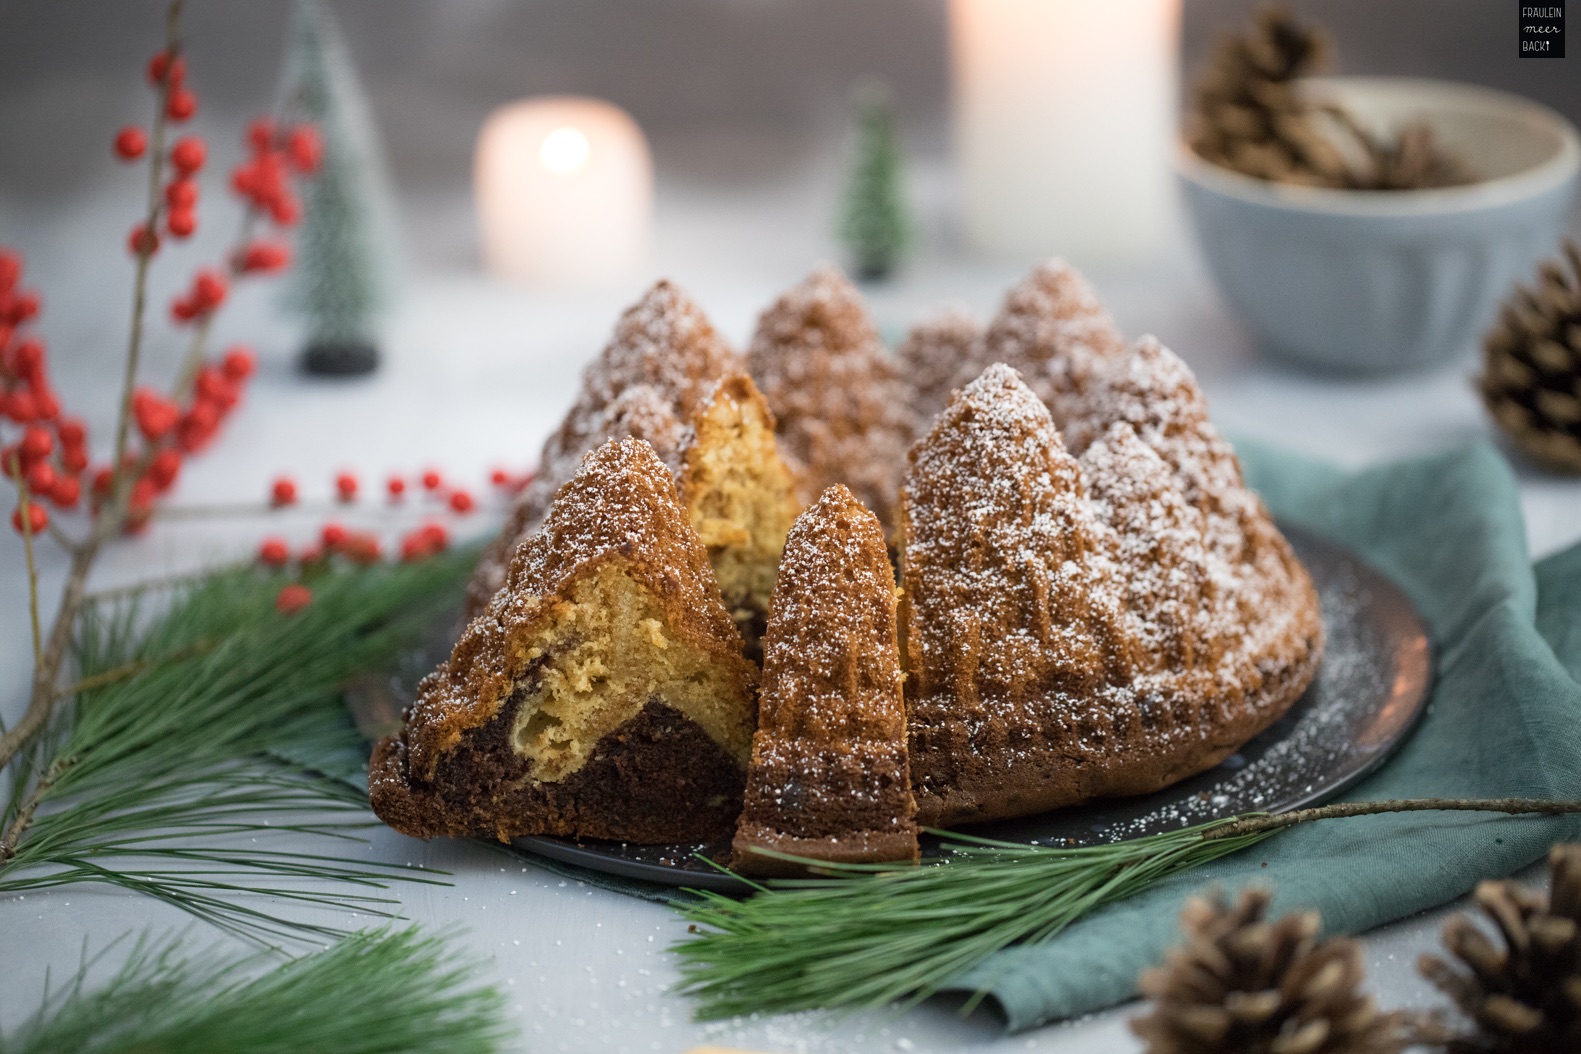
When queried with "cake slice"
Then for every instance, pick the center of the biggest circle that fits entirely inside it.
(829, 778)
(601, 694)
(741, 498)
(665, 357)
(834, 389)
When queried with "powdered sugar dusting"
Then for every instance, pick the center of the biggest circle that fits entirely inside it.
(834, 389)
(1101, 614)
(1055, 331)
(664, 359)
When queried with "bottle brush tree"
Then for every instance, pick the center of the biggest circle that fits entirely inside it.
(874, 226)
(342, 276)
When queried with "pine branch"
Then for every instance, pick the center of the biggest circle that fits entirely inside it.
(148, 779)
(372, 993)
(869, 935)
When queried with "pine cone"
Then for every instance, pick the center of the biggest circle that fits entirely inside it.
(1531, 380)
(1526, 995)
(1249, 116)
(1241, 985)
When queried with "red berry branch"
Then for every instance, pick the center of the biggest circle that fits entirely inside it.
(156, 430)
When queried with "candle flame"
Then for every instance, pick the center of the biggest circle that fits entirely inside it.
(564, 150)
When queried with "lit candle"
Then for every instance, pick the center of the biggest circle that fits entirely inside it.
(1064, 124)
(564, 192)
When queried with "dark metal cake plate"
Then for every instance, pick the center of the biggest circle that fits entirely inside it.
(1369, 691)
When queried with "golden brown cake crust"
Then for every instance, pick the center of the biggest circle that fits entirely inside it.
(1054, 331)
(664, 358)
(1077, 628)
(834, 389)
(829, 778)
(618, 514)
(937, 358)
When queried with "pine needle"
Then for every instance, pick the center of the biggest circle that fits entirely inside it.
(160, 780)
(869, 935)
(371, 993)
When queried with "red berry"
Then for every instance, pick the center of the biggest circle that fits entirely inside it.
(239, 363)
(311, 554)
(181, 222)
(305, 149)
(188, 154)
(10, 269)
(36, 443)
(102, 481)
(267, 257)
(37, 518)
(396, 486)
(425, 541)
(461, 501)
(164, 469)
(183, 310)
(158, 66)
(155, 415)
(432, 480)
(23, 408)
(45, 404)
(72, 432)
(333, 536)
(285, 210)
(209, 289)
(181, 106)
(74, 459)
(68, 490)
(261, 132)
(181, 193)
(363, 549)
(346, 485)
(293, 598)
(283, 492)
(130, 143)
(142, 241)
(215, 391)
(28, 357)
(500, 478)
(41, 477)
(193, 435)
(274, 552)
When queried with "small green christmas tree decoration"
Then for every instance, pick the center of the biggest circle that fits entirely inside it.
(344, 251)
(874, 226)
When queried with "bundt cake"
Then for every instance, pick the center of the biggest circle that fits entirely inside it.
(601, 694)
(834, 390)
(1093, 602)
(828, 778)
(663, 360)
(1091, 624)
(740, 497)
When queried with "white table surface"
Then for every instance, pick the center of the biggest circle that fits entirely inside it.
(476, 374)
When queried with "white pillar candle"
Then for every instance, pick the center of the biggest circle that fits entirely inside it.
(1065, 115)
(564, 191)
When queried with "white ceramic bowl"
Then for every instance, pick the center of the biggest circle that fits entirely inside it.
(1390, 280)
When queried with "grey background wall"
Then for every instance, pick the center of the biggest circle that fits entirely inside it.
(777, 68)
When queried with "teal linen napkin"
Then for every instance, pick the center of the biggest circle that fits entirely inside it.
(1504, 720)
